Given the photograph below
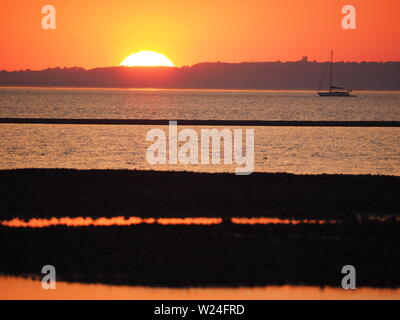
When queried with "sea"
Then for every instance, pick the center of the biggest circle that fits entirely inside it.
(298, 150)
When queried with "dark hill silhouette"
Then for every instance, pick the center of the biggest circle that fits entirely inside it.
(246, 75)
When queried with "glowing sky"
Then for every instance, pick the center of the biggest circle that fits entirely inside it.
(103, 32)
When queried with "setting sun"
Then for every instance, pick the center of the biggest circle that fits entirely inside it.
(147, 59)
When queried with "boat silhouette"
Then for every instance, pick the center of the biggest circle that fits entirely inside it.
(334, 91)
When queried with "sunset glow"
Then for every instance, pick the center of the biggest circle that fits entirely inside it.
(103, 222)
(192, 32)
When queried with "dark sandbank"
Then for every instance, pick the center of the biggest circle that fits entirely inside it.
(195, 256)
(44, 193)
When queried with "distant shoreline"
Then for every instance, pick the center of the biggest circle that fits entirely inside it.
(264, 75)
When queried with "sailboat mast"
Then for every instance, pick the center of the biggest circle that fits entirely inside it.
(330, 77)
(334, 91)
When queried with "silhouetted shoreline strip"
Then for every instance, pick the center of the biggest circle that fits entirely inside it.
(47, 193)
(183, 122)
(298, 75)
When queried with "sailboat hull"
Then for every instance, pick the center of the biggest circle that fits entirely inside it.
(334, 94)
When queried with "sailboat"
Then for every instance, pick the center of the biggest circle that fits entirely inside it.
(334, 91)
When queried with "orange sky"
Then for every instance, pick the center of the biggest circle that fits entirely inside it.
(103, 32)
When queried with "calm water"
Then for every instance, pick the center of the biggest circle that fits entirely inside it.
(19, 288)
(195, 104)
(133, 221)
(277, 149)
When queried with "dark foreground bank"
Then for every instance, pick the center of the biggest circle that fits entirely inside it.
(194, 256)
(109, 193)
(186, 256)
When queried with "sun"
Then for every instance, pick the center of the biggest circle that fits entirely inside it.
(147, 58)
